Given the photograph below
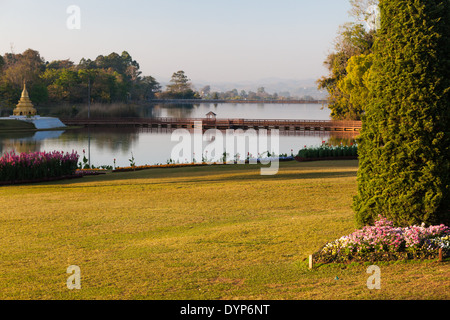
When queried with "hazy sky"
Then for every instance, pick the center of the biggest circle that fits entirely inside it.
(211, 40)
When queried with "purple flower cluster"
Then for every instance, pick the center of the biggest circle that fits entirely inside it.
(384, 239)
(37, 165)
(384, 236)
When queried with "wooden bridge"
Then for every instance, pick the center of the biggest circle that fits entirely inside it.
(222, 124)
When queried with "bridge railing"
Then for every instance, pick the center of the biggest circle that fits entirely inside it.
(217, 121)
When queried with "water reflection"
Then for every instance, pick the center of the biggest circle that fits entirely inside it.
(238, 110)
(182, 110)
(199, 110)
(102, 139)
(343, 139)
(26, 141)
(147, 145)
(152, 145)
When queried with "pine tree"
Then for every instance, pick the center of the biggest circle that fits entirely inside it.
(404, 147)
(180, 87)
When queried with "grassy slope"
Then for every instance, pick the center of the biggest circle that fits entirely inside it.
(14, 125)
(194, 233)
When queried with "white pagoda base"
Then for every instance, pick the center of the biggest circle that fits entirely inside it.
(40, 122)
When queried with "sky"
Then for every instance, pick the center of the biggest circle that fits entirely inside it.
(211, 40)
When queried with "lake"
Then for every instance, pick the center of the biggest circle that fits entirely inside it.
(239, 110)
(153, 146)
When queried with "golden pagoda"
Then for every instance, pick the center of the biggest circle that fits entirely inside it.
(24, 107)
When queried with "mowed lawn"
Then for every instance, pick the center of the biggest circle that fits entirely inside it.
(222, 232)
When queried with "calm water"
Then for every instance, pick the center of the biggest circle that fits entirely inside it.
(242, 111)
(152, 146)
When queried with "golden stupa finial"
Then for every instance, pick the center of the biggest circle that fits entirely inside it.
(24, 91)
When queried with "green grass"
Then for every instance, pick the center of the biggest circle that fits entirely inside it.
(15, 125)
(223, 232)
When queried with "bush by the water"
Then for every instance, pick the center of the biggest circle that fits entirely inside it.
(328, 151)
(384, 242)
(37, 165)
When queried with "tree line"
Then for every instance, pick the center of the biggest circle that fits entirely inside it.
(350, 64)
(111, 78)
(114, 78)
(107, 79)
(234, 94)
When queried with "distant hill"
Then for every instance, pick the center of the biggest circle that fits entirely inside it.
(296, 88)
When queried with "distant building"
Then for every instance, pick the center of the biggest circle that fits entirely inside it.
(211, 115)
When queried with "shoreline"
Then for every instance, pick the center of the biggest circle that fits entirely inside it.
(21, 127)
(195, 101)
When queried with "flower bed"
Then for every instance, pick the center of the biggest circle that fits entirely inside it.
(36, 166)
(170, 165)
(384, 242)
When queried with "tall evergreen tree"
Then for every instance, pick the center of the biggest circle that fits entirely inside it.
(180, 87)
(404, 145)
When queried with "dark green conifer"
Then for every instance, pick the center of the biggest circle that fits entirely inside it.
(404, 147)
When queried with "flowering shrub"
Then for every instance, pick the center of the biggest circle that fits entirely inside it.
(442, 242)
(384, 241)
(328, 151)
(36, 165)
